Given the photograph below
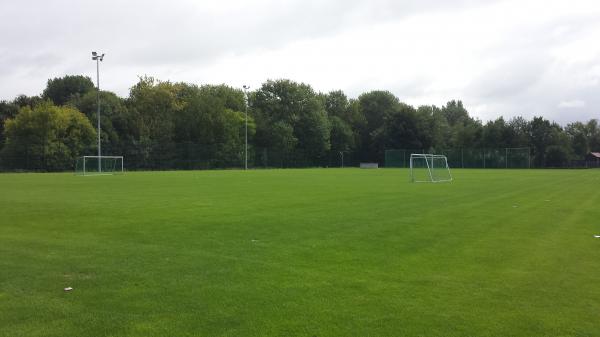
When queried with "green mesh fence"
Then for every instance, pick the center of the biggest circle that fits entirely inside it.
(467, 158)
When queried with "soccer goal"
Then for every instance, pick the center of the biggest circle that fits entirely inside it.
(429, 168)
(99, 165)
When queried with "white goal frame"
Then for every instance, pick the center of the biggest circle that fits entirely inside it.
(99, 172)
(430, 167)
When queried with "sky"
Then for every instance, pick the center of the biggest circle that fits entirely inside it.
(501, 58)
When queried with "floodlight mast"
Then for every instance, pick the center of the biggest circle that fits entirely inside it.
(98, 59)
(246, 127)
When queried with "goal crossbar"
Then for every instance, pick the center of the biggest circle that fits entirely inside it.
(112, 170)
(430, 168)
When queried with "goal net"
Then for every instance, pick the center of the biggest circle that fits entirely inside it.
(429, 168)
(96, 165)
(518, 157)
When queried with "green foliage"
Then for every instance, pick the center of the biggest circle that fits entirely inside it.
(290, 124)
(375, 106)
(155, 103)
(118, 125)
(435, 126)
(336, 104)
(7, 111)
(47, 137)
(342, 137)
(493, 134)
(456, 114)
(62, 89)
(556, 156)
(406, 129)
(519, 132)
(291, 116)
(30, 101)
(585, 137)
(542, 134)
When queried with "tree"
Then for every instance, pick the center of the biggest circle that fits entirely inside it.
(47, 137)
(336, 104)
(289, 104)
(313, 133)
(156, 103)
(375, 106)
(7, 111)
(62, 89)
(578, 133)
(584, 137)
(229, 97)
(543, 134)
(519, 132)
(118, 126)
(455, 113)
(212, 131)
(556, 156)
(436, 126)
(593, 130)
(496, 134)
(466, 135)
(406, 129)
(342, 136)
(30, 101)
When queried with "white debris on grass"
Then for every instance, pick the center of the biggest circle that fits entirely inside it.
(68, 289)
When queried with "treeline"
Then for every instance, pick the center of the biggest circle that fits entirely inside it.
(289, 125)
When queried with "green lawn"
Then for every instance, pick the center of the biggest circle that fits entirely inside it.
(323, 252)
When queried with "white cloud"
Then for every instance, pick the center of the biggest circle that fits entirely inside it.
(574, 104)
(500, 57)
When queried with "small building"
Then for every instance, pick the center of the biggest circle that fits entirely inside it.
(593, 159)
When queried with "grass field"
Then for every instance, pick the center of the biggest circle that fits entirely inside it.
(323, 252)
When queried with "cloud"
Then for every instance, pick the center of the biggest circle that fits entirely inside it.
(501, 57)
(574, 104)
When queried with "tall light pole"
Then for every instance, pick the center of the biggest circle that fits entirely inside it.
(246, 133)
(98, 58)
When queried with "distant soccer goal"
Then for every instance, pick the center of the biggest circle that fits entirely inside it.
(99, 165)
(518, 157)
(429, 168)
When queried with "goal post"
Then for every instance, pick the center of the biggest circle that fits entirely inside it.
(99, 165)
(429, 168)
(519, 157)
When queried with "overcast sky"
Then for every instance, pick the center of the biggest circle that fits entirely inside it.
(502, 58)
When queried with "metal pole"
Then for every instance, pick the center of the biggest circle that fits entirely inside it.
(246, 128)
(98, 103)
(483, 158)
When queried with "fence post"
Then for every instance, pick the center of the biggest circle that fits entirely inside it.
(483, 152)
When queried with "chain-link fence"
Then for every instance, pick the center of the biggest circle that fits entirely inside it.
(467, 158)
(170, 156)
(195, 156)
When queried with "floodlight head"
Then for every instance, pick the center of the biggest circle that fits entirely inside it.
(95, 56)
(246, 87)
